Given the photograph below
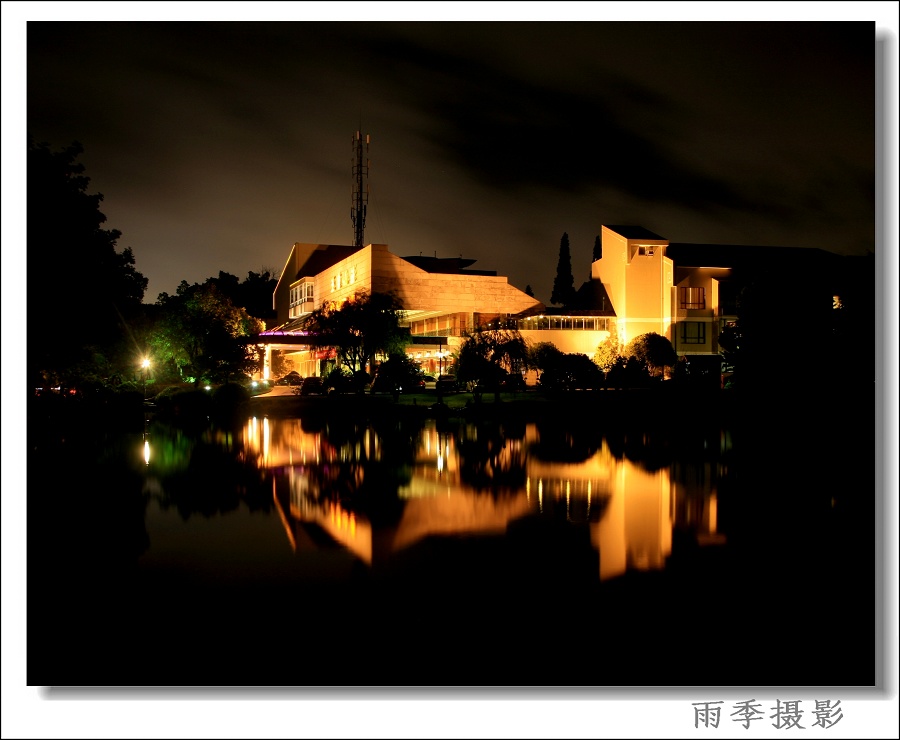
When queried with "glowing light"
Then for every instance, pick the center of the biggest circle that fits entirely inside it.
(207, 387)
(146, 452)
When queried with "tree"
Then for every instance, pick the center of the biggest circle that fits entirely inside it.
(564, 282)
(598, 249)
(253, 294)
(529, 290)
(485, 358)
(95, 287)
(653, 350)
(543, 356)
(607, 352)
(201, 334)
(397, 372)
(571, 371)
(364, 326)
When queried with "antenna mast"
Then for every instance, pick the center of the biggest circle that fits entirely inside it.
(360, 188)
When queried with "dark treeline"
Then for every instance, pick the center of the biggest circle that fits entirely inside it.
(95, 332)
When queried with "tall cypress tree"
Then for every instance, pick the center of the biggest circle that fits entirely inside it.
(598, 249)
(564, 282)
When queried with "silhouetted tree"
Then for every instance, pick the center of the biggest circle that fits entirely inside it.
(201, 334)
(529, 291)
(653, 350)
(254, 293)
(571, 371)
(398, 372)
(365, 325)
(486, 357)
(598, 249)
(543, 355)
(564, 282)
(96, 290)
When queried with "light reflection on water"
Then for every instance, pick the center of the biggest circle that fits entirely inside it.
(460, 481)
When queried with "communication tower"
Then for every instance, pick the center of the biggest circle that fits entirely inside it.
(360, 199)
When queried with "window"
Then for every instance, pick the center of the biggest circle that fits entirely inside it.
(301, 298)
(692, 297)
(693, 332)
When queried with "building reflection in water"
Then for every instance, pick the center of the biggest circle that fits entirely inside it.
(631, 512)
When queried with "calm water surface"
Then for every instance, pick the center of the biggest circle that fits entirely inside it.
(330, 501)
(328, 551)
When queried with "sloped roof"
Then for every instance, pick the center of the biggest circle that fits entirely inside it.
(447, 265)
(685, 254)
(635, 232)
(321, 259)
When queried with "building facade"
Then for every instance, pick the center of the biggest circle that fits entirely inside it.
(443, 300)
(641, 283)
(653, 291)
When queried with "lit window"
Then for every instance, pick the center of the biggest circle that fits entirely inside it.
(692, 297)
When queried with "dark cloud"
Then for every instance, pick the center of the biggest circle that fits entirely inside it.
(217, 145)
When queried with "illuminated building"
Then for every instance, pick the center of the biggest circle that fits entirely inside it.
(642, 283)
(442, 298)
(688, 292)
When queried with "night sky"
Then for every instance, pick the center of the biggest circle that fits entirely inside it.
(217, 145)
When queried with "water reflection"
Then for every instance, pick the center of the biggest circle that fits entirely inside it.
(176, 556)
(378, 490)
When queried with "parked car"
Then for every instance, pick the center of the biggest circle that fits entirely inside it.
(428, 381)
(312, 385)
(291, 378)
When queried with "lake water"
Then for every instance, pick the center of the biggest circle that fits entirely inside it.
(327, 550)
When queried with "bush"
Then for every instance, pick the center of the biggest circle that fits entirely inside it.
(230, 394)
(229, 401)
(183, 402)
(572, 371)
(339, 381)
